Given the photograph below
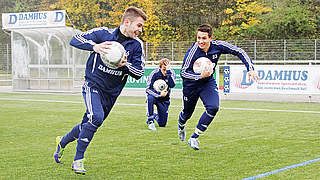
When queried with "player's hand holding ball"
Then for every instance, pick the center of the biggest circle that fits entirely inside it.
(123, 62)
(203, 66)
(102, 47)
(163, 93)
(112, 53)
(161, 86)
(206, 72)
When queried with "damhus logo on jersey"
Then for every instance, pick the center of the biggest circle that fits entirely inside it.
(33, 19)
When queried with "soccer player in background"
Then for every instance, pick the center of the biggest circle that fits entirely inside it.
(103, 84)
(160, 99)
(203, 86)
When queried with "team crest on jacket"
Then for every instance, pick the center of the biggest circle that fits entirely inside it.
(215, 56)
(127, 53)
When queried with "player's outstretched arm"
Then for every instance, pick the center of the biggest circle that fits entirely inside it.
(86, 40)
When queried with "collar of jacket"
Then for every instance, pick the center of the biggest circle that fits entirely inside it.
(116, 37)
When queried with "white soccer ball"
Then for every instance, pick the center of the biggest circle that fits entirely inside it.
(201, 63)
(160, 85)
(114, 55)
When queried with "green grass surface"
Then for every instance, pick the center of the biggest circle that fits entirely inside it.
(238, 144)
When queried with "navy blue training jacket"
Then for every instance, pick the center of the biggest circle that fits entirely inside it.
(157, 74)
(108, 79)
(190, 78)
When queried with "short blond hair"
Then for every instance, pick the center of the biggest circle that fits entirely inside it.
(132, 13)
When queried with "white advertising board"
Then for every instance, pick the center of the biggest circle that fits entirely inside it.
(286, 79)
(33, 19)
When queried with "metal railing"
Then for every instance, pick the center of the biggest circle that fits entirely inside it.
(5, 59)
(298, 51)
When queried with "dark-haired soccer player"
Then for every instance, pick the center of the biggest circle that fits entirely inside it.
(103, 83)
(203, 85)
(160, 99)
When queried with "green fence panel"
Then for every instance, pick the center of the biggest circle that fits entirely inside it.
(142, 82)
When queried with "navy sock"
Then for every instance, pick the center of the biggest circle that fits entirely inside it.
(195, 135)
(203, 124)
(181, 121)
(85, 138)
(71, 136)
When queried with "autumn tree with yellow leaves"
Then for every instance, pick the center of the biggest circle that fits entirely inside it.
(83, 14)
(177, 20)
(239, 17)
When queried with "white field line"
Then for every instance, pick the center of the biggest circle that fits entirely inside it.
(122, 104)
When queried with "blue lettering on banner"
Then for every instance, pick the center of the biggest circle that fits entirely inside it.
(13, 19)
(279, 75)
(32, 16)
(59, 17)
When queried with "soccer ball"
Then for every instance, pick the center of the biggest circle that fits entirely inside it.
(160, 85)
(114, 55)
(202, 63)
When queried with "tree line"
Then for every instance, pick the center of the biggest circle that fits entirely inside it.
(177, 20)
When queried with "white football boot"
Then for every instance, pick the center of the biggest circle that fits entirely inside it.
(194, 143)
(182, 134)
(152, 126)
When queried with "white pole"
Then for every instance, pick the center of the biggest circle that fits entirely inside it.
(7, 58)
(284, 51)
(255, 50)
(315, 51)
(172, 51)
(146, 51)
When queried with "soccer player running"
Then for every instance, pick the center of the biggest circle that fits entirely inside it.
(203, 86)
(103, 83)
(160, 99)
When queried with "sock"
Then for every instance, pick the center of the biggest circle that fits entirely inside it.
(71, 136)
(203, 124)
(195, 135)
(181, 122)
(156, 117)
(150, 119)
(85, 138)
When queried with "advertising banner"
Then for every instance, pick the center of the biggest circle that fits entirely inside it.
(33, 19)
(142, 82)
(286, 79)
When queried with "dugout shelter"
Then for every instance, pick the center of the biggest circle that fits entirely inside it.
(42, 59)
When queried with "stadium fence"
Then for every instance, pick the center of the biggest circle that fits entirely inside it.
(284, 52)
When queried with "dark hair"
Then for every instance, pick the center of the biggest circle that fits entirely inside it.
(133, 12)
(206, 28)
